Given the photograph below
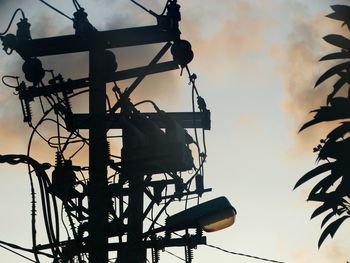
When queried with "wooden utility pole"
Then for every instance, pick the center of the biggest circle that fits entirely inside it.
(99, 192)
(98, 156)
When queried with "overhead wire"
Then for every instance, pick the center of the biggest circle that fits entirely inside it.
(12, 18)
(18, 254)
(165, 7)
(43, 196)
(243, 255)
(76, 4)
(9, 85)
(174, 255)
(144, 8)
(13, 246)
(57, 10)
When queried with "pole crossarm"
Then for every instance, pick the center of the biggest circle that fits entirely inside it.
(159, 243)
(101, 39)
(185, 119)
(70, 85)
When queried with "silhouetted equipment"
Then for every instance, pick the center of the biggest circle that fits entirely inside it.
(182, 52)
(110, 62)
(154, 144)
(33, 70)
(63, 179)
(149, 150)
(81, 23)
(210, 216)
(23, 30)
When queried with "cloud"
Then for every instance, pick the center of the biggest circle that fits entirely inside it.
(329, 252)
(226, 37)
(157, 87)
(300, 71)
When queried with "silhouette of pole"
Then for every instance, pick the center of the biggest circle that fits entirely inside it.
(133, 252)
(98, 157)
(137, 254)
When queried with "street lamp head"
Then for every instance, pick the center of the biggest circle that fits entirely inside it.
(210, 216)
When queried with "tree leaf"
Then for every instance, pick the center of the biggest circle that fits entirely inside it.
(339, 109)
(317, 197)
(314, 172)
(327, 217)
(331, 229)
(337, 86)
(338, 41)
(341, 13)
(339, 132)
(324, 185)
(338, 55)
(339, 150)
(332, 71)
(321, 209)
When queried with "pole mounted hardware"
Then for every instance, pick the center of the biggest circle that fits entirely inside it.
(118, 203)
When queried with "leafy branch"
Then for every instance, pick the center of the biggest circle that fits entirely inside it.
(333, 188)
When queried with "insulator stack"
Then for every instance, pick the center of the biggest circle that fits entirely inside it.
(25, 103)
(58, 159)
(199, 232)
(81, 23)
(155, 255)
(23, 30)
(188, 254)
(27, 112)
(108, 149)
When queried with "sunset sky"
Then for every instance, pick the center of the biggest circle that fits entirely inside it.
(256, 63)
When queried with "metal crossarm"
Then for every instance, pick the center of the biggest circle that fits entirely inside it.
(104, 40)
(185, 119)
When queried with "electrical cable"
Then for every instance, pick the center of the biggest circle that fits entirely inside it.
(31, 181)
(193, 176)
(165, 7)
(12, 18)
(55, 144)
(76, 5)
(243, 255)
(148, 101)
(160, 213)
(109, 106)
(64, 224)
(42, 178)
(18, 254)
(46, 202)
(144, 8)
(58, 134)
(13, 246)
(38, 133)
(12, 77)
(41, 104)
(58, 11)
(174, 255)
(77, 151)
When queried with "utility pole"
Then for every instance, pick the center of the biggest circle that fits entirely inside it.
(98, 185)
(153, 143)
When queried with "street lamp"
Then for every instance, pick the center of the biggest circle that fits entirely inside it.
(210, 216)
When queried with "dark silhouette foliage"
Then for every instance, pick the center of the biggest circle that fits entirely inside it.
(333, 190)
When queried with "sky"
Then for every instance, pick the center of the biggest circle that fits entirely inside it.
(256, 62)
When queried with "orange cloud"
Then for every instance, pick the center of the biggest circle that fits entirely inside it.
(300, 71)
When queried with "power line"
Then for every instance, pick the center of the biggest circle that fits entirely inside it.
(54, 8)
(244, 255)
(18, 254)
(170, 253)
